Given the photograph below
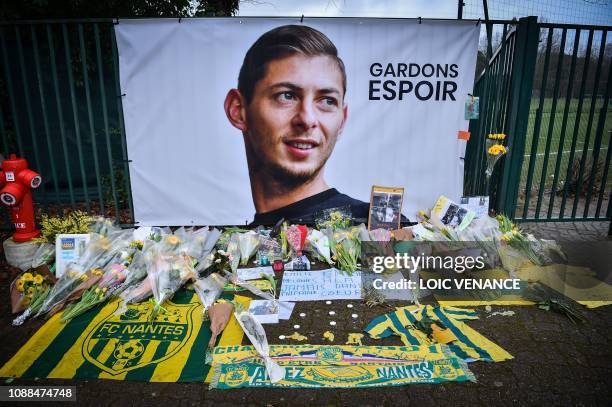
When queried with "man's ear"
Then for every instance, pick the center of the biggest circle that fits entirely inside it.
(344, 117)
(235, 109)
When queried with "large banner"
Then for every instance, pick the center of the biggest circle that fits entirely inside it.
(189, 137)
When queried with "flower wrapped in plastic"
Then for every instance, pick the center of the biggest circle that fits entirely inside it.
(28, 289)
(346, 248)
(43, 255)
(226, 236)
(334, 218)
(91, 297)
(166, 274)
(136, 271)
(202, 244)
(269, 250)
(247, 243)
(380, 235)
(81, 275)
(317, 243)
(296, 238)
(233, 252)
(495, 150)
(209, 289)
(257, 335)
(76, 272)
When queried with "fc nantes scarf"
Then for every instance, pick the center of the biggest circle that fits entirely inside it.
(107, 344)
(315, 366)
(468, 344)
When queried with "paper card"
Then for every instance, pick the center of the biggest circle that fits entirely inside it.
(285, 309)
(254, 273)
(463, 135)
(472, 108)
(330, 284)
(477, 204)
(450, 214)
(265, 311)
(422, 232)
(68, 249)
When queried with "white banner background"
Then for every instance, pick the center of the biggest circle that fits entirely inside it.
(188, 165)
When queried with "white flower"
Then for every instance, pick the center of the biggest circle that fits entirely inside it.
(222, 252)
(218, 261)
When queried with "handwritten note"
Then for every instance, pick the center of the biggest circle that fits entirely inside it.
(330, 284)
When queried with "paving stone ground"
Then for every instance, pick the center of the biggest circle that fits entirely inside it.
(555, 362)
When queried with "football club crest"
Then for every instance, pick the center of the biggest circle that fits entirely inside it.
(126, 341)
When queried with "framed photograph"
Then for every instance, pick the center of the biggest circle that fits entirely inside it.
(385, 208)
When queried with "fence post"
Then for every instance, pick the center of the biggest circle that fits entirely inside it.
(523, 71)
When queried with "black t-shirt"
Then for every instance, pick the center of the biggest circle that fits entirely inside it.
(304, 211)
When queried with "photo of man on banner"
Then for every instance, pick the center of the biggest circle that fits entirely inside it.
(289, 106)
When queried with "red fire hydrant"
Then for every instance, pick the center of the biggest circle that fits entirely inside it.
(16, 181)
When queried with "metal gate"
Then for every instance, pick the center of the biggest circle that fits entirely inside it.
(547, 86)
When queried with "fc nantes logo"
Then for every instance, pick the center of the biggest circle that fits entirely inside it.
(237, 375)
(128, 341)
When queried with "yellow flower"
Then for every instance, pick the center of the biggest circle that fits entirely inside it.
(97, 290)
(38, 279)
(97, 272)
(104, 290)
(506, 238)
(173, 240)
(19, 285)
(30, 292)
(84, 277)
(27, 277)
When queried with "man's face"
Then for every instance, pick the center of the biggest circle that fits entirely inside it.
(295, 117)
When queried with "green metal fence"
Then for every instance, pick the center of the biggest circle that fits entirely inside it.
(548, 88)
(60, 108)
(546, 85)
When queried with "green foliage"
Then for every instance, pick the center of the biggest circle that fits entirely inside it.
(74, 222)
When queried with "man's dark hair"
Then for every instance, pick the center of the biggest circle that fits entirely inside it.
(279, 43)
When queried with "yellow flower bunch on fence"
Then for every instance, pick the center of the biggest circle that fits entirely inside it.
(497, 149)
(496, 136)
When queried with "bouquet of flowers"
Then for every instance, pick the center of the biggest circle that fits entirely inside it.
(247, 243)
(233, 252)
(28, 289)
(202, 244)
(92, 297)
(166, 274)
(226, 236)
(134, 272)
(296, 238)
(269, 250)
(209, 289)
(334, 218)
(99, 251)
(318, 244)
(346, 248)
(495, 150)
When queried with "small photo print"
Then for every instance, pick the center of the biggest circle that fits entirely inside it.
(265, 311)
(385, 208)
